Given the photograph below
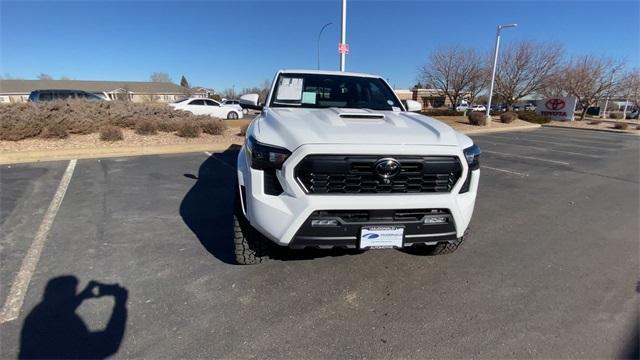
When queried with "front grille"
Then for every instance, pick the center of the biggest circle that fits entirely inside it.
(355, 174)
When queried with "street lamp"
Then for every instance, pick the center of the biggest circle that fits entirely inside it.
(495, 63)
(343, 36)
(320, 34)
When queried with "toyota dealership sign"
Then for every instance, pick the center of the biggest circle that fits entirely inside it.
(561, 109)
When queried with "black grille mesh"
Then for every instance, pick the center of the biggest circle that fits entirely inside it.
(350, 174)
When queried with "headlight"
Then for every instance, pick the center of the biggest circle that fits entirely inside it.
(472, 154)
(265, 156)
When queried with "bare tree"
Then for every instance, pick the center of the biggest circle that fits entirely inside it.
(590, 78)
(44, 76)
(160, 77)
(229, 93)
(64, 77)
(525, 68)
(262, 91)
(455, 71)
(630, 87)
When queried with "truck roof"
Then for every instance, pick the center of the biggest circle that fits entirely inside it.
(325, 72)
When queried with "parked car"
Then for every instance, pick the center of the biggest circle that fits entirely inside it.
(55, 94)
(462, 107)
(234, 104)
(335, 159)
(478, 108)
(499, 108)
(200, 106)
(633, 114)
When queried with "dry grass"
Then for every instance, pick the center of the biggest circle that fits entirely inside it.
(54, 131)
(621, 126)
(213, 127)
(477, 118)
(243, 130)
(111, 133)
(189, 129)
(27, 120)
(146, 127)
(508, 117)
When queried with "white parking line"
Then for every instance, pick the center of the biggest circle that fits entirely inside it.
(15, 299)
(545, 149)
(551, 142)
(525, 157)
(503, 170)
(222, 162)
(577, 140)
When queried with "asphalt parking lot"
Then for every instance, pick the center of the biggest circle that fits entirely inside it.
(550, 269)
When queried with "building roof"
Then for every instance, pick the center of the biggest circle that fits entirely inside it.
(143, 87)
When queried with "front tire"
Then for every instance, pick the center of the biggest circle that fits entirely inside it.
(232, 116)
(250, 246)
(447, 247)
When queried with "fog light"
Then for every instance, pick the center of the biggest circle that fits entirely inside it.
(324, 222)
(435, 220)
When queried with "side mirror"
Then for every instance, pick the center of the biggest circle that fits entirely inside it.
(250, 101)
(413, 106)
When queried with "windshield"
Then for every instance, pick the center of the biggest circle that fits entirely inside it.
(324, 91)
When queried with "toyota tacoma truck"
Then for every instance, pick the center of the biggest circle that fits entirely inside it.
(335, 159)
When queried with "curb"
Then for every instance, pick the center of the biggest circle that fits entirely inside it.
(501, 129)
(619, 132)
(95, 153)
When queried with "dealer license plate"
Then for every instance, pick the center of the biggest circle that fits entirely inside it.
(380, 237)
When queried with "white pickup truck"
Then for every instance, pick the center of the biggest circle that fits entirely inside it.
(335, 159)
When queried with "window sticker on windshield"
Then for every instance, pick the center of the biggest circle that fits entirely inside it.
(308, 97)
(390, 102)
(289, 89)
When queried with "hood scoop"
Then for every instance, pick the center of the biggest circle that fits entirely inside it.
(360, 115)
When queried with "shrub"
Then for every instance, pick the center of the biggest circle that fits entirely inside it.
(55, 131)
(213, 127)
(146, 127)
(477, 118)
(532, 117)
(621, 126)
(243, 130)
(189, 129)
(111, 133)
(442, 112)
(638, 127)
(615, 115)
(508, 117)
(168, 125)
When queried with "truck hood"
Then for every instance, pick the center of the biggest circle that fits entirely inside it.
(291, 127)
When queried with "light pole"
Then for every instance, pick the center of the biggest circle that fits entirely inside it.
(320, 34)
(343, 36)
(495, 63)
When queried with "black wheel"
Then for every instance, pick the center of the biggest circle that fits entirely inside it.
(232, 115)
(250, 246)
(447, 247)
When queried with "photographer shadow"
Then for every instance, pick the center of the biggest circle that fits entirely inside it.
(53, 330)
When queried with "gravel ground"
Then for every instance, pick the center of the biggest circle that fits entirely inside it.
(130, 139)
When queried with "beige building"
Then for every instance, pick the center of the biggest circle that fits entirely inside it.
(136, 91)
(429, 98)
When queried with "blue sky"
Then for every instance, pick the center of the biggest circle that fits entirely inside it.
(221, 44)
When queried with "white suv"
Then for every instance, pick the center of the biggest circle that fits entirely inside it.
(336, 160)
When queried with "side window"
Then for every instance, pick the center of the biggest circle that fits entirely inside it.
(197, 102)
(211, 103)
(45, 96)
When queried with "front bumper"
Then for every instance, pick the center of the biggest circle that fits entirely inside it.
(281, 217)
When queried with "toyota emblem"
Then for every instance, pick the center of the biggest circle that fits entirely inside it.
(388, 168)
(555, 104)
